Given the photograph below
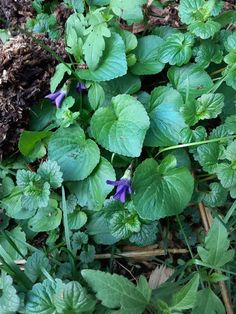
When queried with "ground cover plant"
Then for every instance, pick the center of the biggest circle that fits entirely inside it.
(118, 181)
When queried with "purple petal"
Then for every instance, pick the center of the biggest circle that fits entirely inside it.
(129, 189)
(53, 96)
(120, 195)
(114, 183)
(59, 99)
(80, 87)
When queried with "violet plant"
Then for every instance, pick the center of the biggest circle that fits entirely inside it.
(159, 98)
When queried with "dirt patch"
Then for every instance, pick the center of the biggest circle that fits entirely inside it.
(25, 71)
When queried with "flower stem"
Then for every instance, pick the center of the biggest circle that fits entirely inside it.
(214, 140)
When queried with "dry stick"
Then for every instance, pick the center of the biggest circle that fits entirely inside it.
(134, 254)
(149, 253)
(204, 216)
(207, 221)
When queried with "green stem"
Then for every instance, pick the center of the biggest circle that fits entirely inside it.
(214, 140)
(217, 71)
(230, 212)
(208, 178)
(188, 245)
(65, 220)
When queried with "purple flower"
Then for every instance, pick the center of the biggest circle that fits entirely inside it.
(80, 87)
(56, 98)
(123, 187)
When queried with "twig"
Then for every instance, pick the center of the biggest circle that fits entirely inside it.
(131, 254)
(207, 222)
(128, 271)
(135, 254)
(203, 214)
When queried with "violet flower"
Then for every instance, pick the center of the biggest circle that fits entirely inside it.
(56, 98)
(80, 87)
(123, 187)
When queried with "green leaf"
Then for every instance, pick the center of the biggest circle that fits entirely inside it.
(177, 50)
(216, 277)
(146, 235)
(190, 79)
(95, 43)
(129, 10)
(121, 127)
(12, 205)
(41, 115)
(9, 300)
(73, 298)
(208, 106)
(50, 172)
(98, 2)
(161, 190)
(226, 18)
(29, 139)
(204, 30)
(98, 228)
(227, 174)
(77, 5)
(129, 39)
(4, 35)
(209, 51)
(215, 251)
(34, 264)
(123, 223)
(147, 53)
(79, 238)
(127, 84)
(6, 187)
(61, 70)
(74, 34)
(144, 288)
(113, 63)
(77, 219)
(230, 43)
(44, 23)
(208, 156)
(15, 234)
(35, 191)
(230, 74)
(96, 96)
(166, 121)
(207, 302)
(230, 123)
(36, 196)
(88, 254)
(76, 156)
(41, 298)
(188, 10)
(92, 191)
(46, 218)
(116, 292)
(165, 31)
(185, 298)
(216, 197)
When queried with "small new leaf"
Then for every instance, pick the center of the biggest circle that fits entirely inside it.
(95, 44)
(50, 172)
(216, 251)
(185, 298)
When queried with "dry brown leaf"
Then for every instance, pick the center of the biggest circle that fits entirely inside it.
(159, 275)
